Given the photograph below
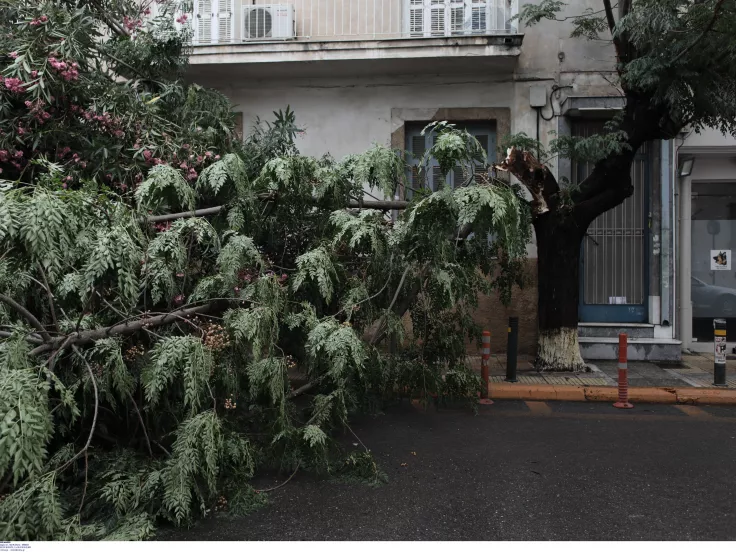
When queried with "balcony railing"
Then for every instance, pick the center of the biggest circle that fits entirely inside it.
(242, 21)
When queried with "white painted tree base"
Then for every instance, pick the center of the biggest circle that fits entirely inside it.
(559, 351)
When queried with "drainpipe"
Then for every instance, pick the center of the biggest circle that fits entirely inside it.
(675, 240)
(686, 306)
(666, 231)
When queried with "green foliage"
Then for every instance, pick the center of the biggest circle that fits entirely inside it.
(316, 267)
(168, 377)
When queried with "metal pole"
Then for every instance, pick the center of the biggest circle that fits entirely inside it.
(685, 268)
(719, 350)
(485, 356)
(512, 349)
(623, 373)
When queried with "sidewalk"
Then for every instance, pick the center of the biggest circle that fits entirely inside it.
(696, 370)
(690, 382)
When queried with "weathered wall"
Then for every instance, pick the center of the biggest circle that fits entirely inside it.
(494, 316)
(349, 111)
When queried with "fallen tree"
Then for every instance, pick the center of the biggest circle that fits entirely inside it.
(153, 323)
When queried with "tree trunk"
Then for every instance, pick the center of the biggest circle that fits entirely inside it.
(559, 240)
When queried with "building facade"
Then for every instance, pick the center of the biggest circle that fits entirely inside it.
(706, 202)
(358, 72)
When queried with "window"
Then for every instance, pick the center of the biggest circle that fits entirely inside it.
(417, 145)
(457, 17)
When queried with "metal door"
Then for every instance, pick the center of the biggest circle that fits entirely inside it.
(614, 261)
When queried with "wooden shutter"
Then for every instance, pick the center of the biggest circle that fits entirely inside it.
(225, 21)
(204, 16)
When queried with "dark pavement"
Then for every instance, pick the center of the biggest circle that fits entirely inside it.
(518, 471)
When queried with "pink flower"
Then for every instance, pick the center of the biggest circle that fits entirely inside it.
(208, 154)
(44, 19)
(147, 155)
(183, 166)
(13, 55)
(182, 19)
(34, 73)
(3, 155)
(179, 299)
(217, 157)
(185, 146)
(179, 274)
(15, 85)
(19, 154)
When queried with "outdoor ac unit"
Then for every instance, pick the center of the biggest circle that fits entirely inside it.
(268, 22)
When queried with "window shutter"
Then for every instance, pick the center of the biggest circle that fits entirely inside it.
(457, 16)
(416, 17)
(225, 18)
(479, 15)
(436, 178)
(438, 14)
(204, 18)
(484, 142)
(417, 152)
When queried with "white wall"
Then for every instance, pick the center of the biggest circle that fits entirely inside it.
(341, 117)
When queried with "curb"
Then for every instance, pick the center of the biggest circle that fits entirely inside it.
(579, 393)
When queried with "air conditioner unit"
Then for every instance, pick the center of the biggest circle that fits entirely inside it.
(268, 22)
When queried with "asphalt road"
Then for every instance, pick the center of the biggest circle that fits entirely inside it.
(519, 471)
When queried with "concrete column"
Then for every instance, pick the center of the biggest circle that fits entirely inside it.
(685, 266)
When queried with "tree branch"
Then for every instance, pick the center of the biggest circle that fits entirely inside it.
(534, 175)
(94, 418)
(353, 204)
(124, 328)
(612, 27)
(50, 296)
(708, 27)
(25, 313)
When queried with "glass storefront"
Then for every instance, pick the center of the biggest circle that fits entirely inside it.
(713, 282)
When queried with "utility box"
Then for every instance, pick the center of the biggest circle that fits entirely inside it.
(537, 96)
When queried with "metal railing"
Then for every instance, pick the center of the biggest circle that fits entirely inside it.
(239, 21)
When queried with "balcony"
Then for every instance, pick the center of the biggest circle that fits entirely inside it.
(362, 36)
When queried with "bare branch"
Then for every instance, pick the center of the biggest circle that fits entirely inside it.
(29, 338)
(94, 418)
(303, 389)
(382, 205)
(25, 313)
(535, 176)
(123, 328)
(50, 296)
(143, 426)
